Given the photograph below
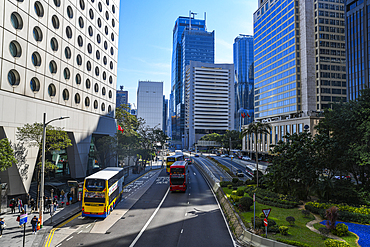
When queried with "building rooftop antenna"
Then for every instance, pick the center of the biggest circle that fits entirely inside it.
(190, 17)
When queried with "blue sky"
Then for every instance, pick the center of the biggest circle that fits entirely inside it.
(145, 35)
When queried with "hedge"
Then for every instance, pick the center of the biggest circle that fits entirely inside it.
(342, 207)
(273, 199)
(292, 242)
(335, 243)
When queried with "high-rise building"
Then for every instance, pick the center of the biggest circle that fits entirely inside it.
(121, 97)
(299, 61)
(150, 103)
(59, 58)
(165, 114)
(209, 100)
(358, 47)
(191, 41)
(244, 80)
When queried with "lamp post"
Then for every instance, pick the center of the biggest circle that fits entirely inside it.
(41, 208)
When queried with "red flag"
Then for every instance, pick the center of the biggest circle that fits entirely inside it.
(243, 115)
(120, 128)
(248, 115)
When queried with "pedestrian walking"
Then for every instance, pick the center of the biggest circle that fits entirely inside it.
(2, 226)
(62, 193)
(12, 205)
(32, 203)
(20, 204)
(25, 205)
(34, 224)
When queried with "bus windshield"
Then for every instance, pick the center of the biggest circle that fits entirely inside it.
(170, 159)
(177, 170)
(95, 184)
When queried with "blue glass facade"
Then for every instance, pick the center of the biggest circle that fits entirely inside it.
(244, 80)
(121, 98)
(275, 53)
(358, 47)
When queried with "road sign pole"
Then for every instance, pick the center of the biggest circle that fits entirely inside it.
(24, 234)
(266, 231)
(254, 209)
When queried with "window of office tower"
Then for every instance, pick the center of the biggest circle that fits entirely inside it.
(275, 59)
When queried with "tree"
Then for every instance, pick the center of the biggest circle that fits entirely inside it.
(56, 139)
(256, 128)
(6, 155)
(107, 149)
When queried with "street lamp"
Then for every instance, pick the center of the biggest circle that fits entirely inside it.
(41, 208)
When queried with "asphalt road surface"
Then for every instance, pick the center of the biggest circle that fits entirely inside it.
(156, 218)
(233, 166)
(216, 170)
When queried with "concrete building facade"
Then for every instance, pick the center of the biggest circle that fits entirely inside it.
(150, 103)
(209, 100)
(59, 58)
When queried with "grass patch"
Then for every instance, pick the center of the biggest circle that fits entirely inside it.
(298, 232)
(351, 239)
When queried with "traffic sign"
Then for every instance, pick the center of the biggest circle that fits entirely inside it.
(265, 222)
(22, 219)
(266, 212)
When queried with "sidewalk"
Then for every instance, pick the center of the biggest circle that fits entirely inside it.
(13, 234)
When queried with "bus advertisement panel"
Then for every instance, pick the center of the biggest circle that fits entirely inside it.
(172, 159)
(179, 176)
(102, 191)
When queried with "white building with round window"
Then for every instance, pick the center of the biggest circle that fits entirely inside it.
(58, 57)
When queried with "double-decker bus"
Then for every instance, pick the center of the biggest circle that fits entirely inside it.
(172, 159)
(179, 176)
(250, 169)
(102, 191)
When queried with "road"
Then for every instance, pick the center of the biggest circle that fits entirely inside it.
(233, 166)
(150, 215)
(216, 170)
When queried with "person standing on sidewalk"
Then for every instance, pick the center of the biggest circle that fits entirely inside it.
(12, 205)
(34, 224)
(2, 226)
(62, 193)
(20, 204)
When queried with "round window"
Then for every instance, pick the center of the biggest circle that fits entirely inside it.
(109, 109)
(111, 65)
(65, 95)
(95, 104)
(96, 71)
(105, 45)
(39, 9)
(97, 54)
(52, 90)
(113, 9)
(13, 78)
(111, 51)
(35, 85)
(77, 98)
(88, 83)
(37, 34)
(103, 92)
(107, 15)
(15, 49)
(102, 107)
(54, 44)
(96, 87)
(78, 79)
(91, 14)
(106, 30)
(55, 21)
(87, 102)
(98, 39)
(80, 41)
(89, 48)
(16, 21)
(99, 22)
(53, 67)
(36, 59)
(91, 32)
(112, 36)
(113, 23)
(88, 66)
(105, 60)
(67, 52)
(81, 22)
(107, 2)
(79, 60)
(70, 12)
(110, 94)
(104, 76)
(66, 73)
(57, 3)
(69, 32)
(110, 79)
(100, 7)
(82, 4)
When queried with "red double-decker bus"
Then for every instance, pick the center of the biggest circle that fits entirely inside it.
(179, 176)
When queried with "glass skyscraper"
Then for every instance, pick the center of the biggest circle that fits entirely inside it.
(244, 79)
(191, 41)
(358, 47)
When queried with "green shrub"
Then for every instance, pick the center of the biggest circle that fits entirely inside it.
(274, 229)
(324, 232)
(340, 230)
(245, 203)
(283, 230)
(229, 186)
(233, 192)
(261, 215)
(335, 243)
(292, 242)
(225, 183)
(306, 213)
(240, 192)
(235, 181)
(259, 222)
(290, 220)
(235, 198)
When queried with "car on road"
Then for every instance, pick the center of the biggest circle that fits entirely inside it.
(223, 155)
(196, 155)
(240, 157)
(246, 158)
(189, 160)
(239, 173)
(231, 156)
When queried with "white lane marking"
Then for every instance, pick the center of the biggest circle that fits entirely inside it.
(79, 232)
(186, 214)
(182, 230)
(150, 219)
(88, 225)
(69, 238)
(58, 245)
(188, 202)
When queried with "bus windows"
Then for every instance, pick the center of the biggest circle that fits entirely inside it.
(95, 184)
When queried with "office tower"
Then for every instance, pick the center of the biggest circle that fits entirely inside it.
(150, 103)
(244, 80)
(59, 58)
(209, 100)
(191, 41)
(165, 114)
(358, 47)
(121, 97)
(299, 64)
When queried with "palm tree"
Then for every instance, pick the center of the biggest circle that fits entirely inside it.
(256, 128)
